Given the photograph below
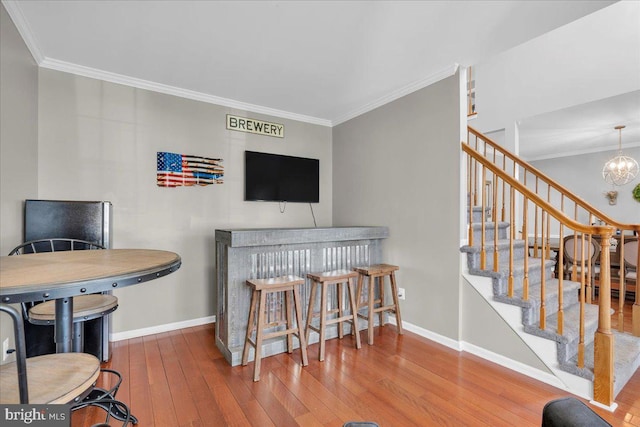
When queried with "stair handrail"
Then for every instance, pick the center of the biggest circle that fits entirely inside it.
(551, 182)
(603, 230)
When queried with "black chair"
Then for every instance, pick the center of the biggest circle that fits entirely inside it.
(85, 307)
(61, 378)
(570, 412)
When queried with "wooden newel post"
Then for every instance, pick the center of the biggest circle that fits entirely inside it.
(603, 341)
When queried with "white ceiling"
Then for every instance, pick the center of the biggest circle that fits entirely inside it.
(318, 61)
(585, 128)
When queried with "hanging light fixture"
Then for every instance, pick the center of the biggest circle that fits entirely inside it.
(621, 169)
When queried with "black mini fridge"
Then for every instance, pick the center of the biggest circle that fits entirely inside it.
(85, 220)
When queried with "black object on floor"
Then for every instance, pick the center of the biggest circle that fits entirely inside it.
(570, 412)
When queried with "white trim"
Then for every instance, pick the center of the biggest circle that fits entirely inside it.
(430, 335)
(54, 64)
(108, 76)
(611, 408)
(399, 93)
(136, 333)
(514, 365)
(24, 29)
(563, 381)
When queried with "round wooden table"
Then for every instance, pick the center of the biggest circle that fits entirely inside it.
(63, 275)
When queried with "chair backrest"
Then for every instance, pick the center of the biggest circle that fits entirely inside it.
(54, 245)
(573, 246)
(630, 252)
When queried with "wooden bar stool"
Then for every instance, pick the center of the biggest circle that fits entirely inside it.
(260, 289)
(373, 272)
(323, 280)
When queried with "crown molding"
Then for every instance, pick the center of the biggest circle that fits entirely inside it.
(15, 13)
(108, 76)
(399, 93)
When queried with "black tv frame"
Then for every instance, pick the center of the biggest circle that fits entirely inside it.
(273, 177)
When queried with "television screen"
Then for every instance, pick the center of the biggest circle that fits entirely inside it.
(274, 177)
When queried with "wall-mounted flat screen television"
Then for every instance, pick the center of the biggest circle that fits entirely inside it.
(278, 178)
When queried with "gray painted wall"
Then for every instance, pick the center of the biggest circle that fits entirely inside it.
(582, 174)
(18, 138)
(98, 141)
(399, 166)
(18, 131)
(480, 317)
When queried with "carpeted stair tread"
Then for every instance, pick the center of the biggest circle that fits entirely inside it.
(571, 328)
(626, 350)
(531, 306)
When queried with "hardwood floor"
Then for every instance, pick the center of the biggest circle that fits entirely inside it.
(180, 378)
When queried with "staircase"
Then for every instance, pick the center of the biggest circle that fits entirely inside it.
(512, 194)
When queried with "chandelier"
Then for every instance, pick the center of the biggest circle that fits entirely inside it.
(621, 169)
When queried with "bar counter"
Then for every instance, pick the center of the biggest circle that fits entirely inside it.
(243, 254)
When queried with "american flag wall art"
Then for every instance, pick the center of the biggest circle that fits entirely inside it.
(177, 170)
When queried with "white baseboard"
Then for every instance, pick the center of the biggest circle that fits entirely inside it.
(514, 365)
(496, 358)
(430, 335)
(119, 336)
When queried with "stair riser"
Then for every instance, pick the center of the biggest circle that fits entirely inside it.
(473, 259)
(489, 234)
(477, 214)
(569, 350)
(500, 286)
(531, 316)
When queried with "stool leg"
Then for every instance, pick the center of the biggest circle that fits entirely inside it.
(312, 303)
(370, 305)
(354, 312)
(381, 312)
(323, 319)
(250, 327)
(259, 331)
(340, 289)
(289, 319)
(394, 290)
(303, 341)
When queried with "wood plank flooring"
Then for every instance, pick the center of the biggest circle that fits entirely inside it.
(180, 378)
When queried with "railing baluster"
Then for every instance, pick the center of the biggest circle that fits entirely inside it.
(543, 279)
(496, 260)
(511, 231)
(582, 301)
(622, 287)
(525, 279)
(470, 199)
(483, 250)
(560, 266)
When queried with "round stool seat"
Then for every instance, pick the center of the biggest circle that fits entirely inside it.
(52, 379)
(85, 307)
